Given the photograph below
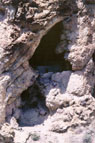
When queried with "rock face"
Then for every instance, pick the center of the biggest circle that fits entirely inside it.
(22, 26)
(69, 104)
(6, 134)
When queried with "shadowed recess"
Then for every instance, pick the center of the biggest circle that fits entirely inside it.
(33, 107)
(45, 57)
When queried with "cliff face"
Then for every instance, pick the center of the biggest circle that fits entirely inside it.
(68, 96)
(23, 24)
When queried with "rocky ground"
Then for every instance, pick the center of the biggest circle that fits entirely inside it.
(48, 107)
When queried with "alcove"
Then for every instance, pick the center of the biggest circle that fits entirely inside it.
(45, 58)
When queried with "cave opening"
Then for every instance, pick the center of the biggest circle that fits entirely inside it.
(46, 58)
(33, 107)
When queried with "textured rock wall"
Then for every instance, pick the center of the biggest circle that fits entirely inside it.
(69, 93)
(22, 25)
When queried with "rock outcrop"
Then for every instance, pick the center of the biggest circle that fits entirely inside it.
(68, 97)
(22, 25)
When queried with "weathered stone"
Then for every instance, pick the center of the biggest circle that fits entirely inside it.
(6, 134)
(68, 94)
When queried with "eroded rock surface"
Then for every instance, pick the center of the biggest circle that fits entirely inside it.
(7, 134)
(69, 104)
(22, 25)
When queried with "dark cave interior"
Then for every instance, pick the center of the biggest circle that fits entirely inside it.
(45, 58)
(33, 108)
(32, 101)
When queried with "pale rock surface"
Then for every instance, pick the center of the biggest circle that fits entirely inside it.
(6, 134)
(69, 94)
